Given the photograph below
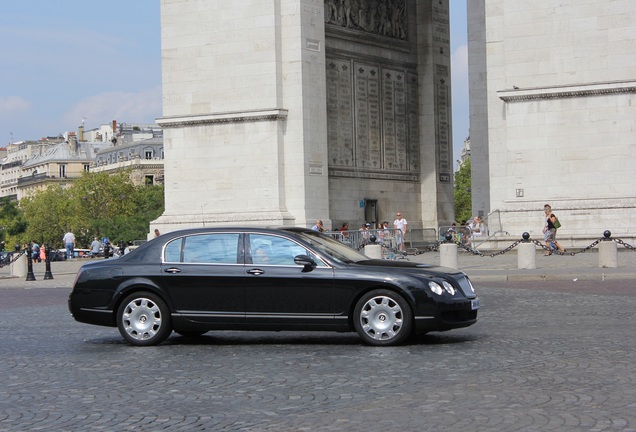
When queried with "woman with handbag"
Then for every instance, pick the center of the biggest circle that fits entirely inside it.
(549, 231)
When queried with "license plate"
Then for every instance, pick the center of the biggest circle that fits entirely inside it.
(474, 304)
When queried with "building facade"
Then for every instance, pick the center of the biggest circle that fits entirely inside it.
(143, 159)
(553, 114)
(292, 111)
(30, 166)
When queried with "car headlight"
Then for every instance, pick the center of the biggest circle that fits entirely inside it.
(448, 287)
(435, 287)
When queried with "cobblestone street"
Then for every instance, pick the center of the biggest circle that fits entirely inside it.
(538, 360)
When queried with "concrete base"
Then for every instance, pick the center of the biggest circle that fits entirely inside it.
(527, 256)
(18, 268)
(607, 254)
(448, 255)
(373, 251)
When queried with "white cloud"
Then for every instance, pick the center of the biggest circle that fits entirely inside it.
(13, 104)
(141, 107)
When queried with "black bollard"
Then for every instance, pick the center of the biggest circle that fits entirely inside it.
(47, 260)
(30, 276)
(526, 237)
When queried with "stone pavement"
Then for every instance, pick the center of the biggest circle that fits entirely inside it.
(500, 268)
(549, 357)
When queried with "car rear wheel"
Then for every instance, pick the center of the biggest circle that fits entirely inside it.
(143, 319)
(383, 317)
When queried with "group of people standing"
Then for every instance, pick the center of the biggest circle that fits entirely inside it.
(400, 225)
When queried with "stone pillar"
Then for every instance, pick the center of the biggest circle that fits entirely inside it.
(448, 255)
(244, 106)
(607, 254)
(373, 251)
(18, 268)
(527, 256)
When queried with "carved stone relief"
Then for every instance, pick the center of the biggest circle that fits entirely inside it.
(372, 117)
(381, 17)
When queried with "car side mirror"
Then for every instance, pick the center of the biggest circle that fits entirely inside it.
(305, 261)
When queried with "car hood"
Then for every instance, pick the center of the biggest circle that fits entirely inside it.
(382, 264)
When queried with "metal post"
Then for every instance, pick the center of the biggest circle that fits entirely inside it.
(47, 260)
(30, 276)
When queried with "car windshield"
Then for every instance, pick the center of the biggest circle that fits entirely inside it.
(332, 247)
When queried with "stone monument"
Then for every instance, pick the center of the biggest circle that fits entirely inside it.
(553, 115)
(291, 111)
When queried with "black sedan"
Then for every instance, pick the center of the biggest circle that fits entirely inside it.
(197, 280)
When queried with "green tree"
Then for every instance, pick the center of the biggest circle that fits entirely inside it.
(48, 213)
(96, 205)
(98, 199)
(462, 192)
(12, 223)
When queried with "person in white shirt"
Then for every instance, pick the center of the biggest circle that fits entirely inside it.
(69, 243)
(95, 247)
(400, 224)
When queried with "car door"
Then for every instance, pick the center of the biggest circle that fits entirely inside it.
(204, 276)
(280, 293)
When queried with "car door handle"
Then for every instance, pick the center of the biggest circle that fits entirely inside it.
(256, 272)
(173, 270)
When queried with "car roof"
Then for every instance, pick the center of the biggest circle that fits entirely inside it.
(247, 229)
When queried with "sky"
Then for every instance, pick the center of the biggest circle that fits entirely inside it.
(68, 61)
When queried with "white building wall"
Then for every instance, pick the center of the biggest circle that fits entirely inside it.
(560, 87)
(244, 141)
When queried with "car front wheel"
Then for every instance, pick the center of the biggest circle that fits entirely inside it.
(143, 319)
(383, 317)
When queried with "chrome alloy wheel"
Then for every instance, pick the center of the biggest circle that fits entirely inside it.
(142, 319)
(381, 318)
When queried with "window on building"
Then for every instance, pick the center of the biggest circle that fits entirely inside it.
(87, 167)
(148, 154)
(62, 171)
(149, 180)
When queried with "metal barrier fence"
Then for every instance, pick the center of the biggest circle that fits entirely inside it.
(394, 243)
(460, 234)
(389, 239)
(421, 240)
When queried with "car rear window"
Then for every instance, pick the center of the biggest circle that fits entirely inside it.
(215, 248)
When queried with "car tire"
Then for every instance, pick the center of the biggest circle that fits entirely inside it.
(143, 319)
(383, 318)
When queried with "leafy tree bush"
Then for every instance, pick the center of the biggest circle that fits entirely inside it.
(95, 205)
(462, 192)
(12, 222)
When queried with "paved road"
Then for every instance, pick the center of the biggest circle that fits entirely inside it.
(544, 356)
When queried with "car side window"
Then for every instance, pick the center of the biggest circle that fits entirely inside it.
(173, 251)
(221, 248)
(273, 250)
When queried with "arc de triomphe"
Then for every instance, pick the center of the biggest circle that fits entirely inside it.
(287, 111)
